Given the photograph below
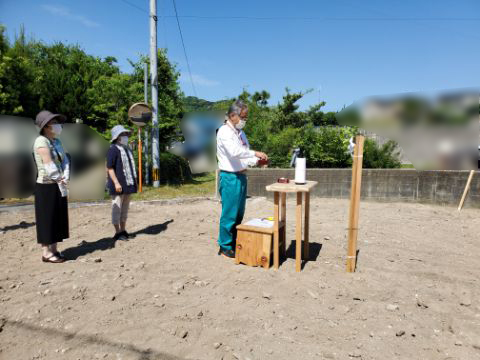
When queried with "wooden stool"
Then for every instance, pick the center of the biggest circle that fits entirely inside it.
(281, 190)
(254, 244)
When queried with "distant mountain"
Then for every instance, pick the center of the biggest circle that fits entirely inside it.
(192, 103)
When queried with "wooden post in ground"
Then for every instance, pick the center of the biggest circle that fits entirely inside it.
(355, 203)
(467, 188)
(139, 160)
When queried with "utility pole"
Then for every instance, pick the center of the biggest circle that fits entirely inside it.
(147, 132)
(154, 80)
(145, 82)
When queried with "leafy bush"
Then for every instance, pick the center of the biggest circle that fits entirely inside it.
(385, 156)
(174, 170)
(326, 147)
(258, 129)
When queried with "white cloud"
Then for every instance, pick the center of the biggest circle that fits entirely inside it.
(66, 13)
(198, 80)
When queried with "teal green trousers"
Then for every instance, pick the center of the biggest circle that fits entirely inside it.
(233, 190)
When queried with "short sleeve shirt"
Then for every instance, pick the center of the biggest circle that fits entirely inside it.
(114, 161)
(57, 154)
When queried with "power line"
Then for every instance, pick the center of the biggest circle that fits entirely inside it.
(179, 29)
(184, 50)
(135, 6)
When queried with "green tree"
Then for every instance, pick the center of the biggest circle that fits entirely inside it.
(16, 76)
(259, 125)
(111, 97)
(279, 146)
(4, 45)
(287, 111)
(261, 98)
(326, 147)
(35, 76)
(385, 156)
(63, 77)
(330, 118)
(314, 114)
(170, 96)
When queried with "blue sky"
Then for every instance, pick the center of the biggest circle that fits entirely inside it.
(344, 50)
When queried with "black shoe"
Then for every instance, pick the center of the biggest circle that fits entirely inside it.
(130, 236)
(228, 253)
(120, 236)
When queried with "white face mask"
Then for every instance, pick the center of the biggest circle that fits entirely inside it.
(123, 140)
(241, 124)
(56, 129)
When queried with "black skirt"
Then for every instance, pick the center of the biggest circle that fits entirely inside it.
(51, 214)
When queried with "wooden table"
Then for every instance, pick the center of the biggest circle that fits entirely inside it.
(280, 199)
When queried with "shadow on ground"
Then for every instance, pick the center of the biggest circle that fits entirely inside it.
(314, 251)
(85, 247)
(22, 225)
(78, 341)
(153, 229)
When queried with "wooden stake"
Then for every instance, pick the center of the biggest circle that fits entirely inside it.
(467, 188)
(355, 203)
(140, 180)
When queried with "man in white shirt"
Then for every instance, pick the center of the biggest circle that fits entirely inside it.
(234, 156)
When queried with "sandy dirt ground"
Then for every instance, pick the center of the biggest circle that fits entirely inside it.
(167, 295)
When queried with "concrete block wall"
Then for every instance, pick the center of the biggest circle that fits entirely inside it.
(389, 185)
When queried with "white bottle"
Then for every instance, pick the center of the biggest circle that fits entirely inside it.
(300, 171)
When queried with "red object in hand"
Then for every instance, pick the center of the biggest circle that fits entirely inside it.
(262, 162)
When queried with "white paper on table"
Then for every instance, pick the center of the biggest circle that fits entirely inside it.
(260, 223)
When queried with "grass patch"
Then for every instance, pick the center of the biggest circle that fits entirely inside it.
(408, 166)
(203, 185)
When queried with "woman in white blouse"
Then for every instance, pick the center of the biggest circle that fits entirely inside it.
(53, 167)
